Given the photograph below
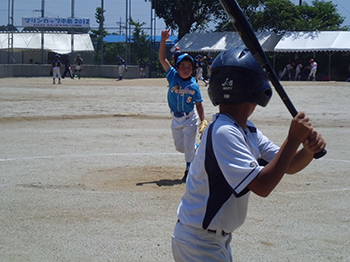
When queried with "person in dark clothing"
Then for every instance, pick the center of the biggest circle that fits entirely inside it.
(67, 68)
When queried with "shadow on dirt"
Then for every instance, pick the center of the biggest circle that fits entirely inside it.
(163, 182)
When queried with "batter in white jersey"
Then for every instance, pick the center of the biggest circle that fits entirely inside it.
(227, 162)
(233, 159)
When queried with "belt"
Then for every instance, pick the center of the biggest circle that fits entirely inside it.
(181, 114)
(223, 233)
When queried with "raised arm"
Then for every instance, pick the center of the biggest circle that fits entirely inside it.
(162, 50)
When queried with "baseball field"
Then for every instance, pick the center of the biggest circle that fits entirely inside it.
(88, 172)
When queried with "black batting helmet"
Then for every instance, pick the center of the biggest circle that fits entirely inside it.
(237, 77)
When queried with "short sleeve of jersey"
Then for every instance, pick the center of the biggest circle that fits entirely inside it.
(267, 148)
(198, 96)
(234, 157)
(171, 74)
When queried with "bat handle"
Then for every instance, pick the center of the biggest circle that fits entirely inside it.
(320, 154)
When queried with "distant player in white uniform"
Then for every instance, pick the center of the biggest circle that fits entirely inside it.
(56, 69)
(313, 70)
(287, 71)
(233, 159)
(183, 96)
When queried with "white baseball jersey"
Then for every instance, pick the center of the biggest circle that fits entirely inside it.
(216, 196)
(314, 65)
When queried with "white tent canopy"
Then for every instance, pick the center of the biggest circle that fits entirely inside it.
(54, 42)
(220, 41)
(331, 41)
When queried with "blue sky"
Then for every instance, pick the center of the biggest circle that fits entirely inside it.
(115, 11)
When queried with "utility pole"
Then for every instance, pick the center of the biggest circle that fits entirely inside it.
(120, 25)
(10, 33)
(300, 2)
(42, 32)
(126, 29)
(129, 57)
(101, 30)
(72, 30)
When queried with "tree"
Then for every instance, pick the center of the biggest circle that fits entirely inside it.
(8, 28)
(282, 15)
(186, 16)
(141, 44)
(100, 33)
(249, 8)
(322, 16)
(278, 16)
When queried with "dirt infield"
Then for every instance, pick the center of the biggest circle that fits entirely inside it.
(89, 173)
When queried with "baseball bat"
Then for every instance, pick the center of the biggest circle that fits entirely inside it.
(249, 38)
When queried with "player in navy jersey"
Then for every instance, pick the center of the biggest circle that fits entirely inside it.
(199, 70)
(142, 68)
(121, 67)
(67, 68)
(56, 69)
(209, 61)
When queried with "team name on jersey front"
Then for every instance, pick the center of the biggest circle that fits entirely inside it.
(178, 90)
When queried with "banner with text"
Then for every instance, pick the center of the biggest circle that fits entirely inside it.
(55, 22)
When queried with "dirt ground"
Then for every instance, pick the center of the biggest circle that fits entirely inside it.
(88, 172)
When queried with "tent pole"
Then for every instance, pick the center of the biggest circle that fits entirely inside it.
(42, 32)
(72, 31)
(329, 65)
